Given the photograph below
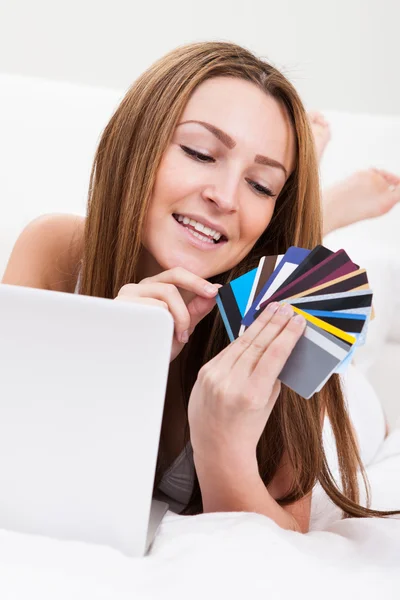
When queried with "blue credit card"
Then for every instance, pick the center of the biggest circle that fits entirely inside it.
(351, 322)
(232, 301)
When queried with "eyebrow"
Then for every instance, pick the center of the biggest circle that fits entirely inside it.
(230, 143)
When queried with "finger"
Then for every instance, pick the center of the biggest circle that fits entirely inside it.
(274, 358)
(242, 343)
(220, 356)
(198, 308)
(186, 280)
(261, 342)
(229, 355)
(169, 294)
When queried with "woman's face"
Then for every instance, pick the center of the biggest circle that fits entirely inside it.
(219, 179)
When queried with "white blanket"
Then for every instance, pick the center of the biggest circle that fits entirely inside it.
(227, 555)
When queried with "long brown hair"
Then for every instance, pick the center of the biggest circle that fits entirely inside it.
(121, 185)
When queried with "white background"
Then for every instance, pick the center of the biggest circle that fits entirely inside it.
(341, 54)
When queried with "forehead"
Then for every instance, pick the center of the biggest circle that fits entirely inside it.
(255, 120)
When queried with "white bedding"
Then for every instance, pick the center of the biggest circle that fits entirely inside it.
(227, 555)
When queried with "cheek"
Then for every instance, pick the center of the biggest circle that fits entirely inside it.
(165, 186)
(172, 181)
(256, 222)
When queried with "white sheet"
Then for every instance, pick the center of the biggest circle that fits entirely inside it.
(227, 555)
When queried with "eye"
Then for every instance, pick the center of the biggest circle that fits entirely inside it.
(197, 155)
(260, 189)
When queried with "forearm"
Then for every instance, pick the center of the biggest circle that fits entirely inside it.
(240, 489)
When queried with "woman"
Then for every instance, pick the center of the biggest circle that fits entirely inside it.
(207, 165)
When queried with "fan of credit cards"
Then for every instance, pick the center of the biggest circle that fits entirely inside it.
(327, 288)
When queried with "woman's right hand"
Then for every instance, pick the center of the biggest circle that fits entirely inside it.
(163, 290)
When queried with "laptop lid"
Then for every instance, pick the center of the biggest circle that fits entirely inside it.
(82, 387)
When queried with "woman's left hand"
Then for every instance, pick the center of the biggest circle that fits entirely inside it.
(236, 391)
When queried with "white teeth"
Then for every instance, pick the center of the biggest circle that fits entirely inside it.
(201, 237)
(200, 228)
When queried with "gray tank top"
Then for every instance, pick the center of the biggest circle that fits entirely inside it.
(177, 483)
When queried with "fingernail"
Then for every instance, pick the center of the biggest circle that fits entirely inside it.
(299, 319)
(209, 288)
(185, 336)
(285, 309)
(272, 307)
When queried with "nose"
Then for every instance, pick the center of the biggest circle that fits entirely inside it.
(224, 194)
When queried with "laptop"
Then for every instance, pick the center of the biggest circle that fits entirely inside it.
(82, 388)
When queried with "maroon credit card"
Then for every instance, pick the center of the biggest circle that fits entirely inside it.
(322, 273)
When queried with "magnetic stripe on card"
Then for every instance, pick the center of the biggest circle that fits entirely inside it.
(324, 343)
(323, 325)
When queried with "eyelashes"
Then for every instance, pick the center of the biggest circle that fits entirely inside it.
(260, 189)
(204, 158)
(197, 155)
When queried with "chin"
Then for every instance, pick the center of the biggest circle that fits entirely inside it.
(190, 263)
(199, 265)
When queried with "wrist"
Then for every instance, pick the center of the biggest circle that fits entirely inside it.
(224, 467)
(228, 486)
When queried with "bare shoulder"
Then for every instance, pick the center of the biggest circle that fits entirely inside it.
(47, 253)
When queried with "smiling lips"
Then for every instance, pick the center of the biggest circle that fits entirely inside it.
(204, 233)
